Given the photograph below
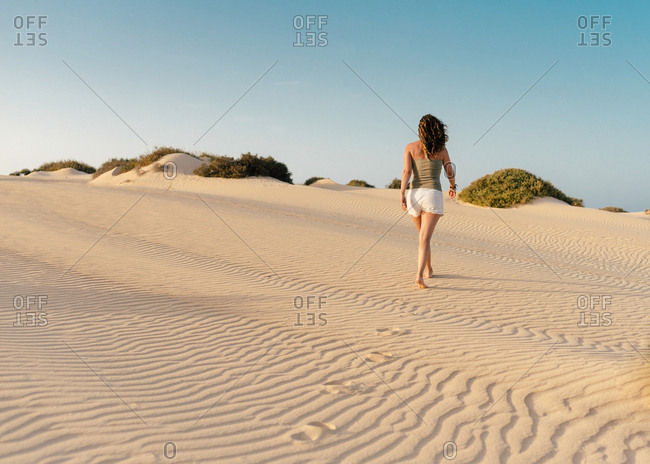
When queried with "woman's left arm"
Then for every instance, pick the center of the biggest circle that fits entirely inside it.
(450, 172)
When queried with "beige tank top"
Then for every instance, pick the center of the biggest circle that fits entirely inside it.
(426, 173)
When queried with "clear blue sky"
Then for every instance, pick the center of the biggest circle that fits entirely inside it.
(170, 69)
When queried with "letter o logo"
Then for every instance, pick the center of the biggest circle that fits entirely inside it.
(583, 302)
(22, 302)
(169, 450)
(168, 167)
(449, 450)
(581, 20)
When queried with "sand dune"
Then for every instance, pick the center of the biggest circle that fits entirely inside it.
(331, 185)
(177, 321)
(61, 174)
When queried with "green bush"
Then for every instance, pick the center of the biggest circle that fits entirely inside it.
(613, 209)
(155, 155)
(123, 163)
(23, 172)
(246, 165)
(311, 180)
(360, 183)
(395, 184)
(647, 211)
(510, 187)
(220, 166)
(68, 163)
(204, 155)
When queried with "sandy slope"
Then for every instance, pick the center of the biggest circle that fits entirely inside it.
(179, 325)
(61, 174)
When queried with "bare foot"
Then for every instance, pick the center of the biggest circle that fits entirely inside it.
(420, 283)
(428, 274)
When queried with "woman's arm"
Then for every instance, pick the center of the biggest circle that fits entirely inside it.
(450, 172)
(406, 176)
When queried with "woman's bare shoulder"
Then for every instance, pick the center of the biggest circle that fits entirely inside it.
(413, 147)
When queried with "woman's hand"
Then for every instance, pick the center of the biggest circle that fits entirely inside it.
(452, 193)
(403, 202)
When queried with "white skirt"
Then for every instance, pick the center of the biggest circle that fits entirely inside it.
(424, 200)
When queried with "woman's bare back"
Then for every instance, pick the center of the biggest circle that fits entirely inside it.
(417, 151)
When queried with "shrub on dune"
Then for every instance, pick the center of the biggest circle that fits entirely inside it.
(155, 155)
(265, 166)
(510, 187)
(647, 211)
(68, 163)
(123, 163)
(203, 156)
(23, 172)
(311, 180)
(614, 209)
(220, 166)
(395, 184)
(246, 165)
(360, 183)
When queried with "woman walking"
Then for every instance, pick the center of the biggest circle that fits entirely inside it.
(425, 158)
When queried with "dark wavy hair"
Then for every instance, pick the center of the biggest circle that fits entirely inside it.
(433, 134)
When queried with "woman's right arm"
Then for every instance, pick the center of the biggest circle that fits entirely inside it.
(406, 176)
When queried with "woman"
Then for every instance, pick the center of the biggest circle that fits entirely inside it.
(424, 159)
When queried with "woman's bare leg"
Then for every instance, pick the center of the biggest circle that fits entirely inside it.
(428, 271)
(427, 225)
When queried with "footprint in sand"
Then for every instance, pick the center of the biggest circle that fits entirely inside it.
(378, 356)
(348, 387)
(392, 331)
(313, 431)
